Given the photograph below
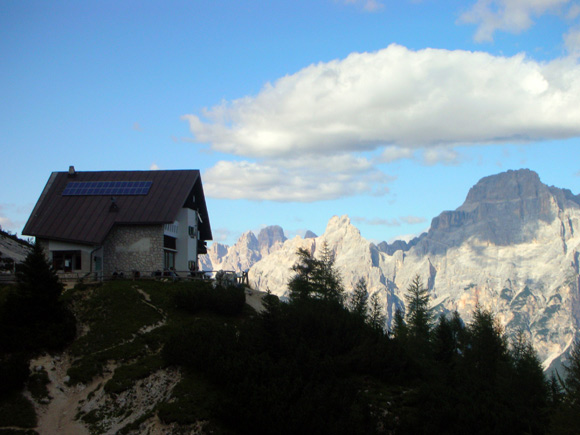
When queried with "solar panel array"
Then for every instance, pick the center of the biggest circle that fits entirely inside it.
(82, 188)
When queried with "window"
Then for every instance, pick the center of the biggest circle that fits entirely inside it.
(67, 261)
(168, 260)
(193, 232)
(170, 242)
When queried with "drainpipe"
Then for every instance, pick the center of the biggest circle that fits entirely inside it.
(91, 260)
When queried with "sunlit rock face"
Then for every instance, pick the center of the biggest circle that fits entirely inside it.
(247, 251)
(512, 247)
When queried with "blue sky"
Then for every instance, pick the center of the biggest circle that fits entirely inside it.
(294, 111)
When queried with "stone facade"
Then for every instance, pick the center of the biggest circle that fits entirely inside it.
(133, 248)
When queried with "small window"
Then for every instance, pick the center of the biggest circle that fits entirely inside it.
(168, 260)
(192, 232)
(67, 261)
(170, 242)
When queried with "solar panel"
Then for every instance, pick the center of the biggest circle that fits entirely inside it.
(82, 188)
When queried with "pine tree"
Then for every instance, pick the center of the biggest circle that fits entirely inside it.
(399, 330)
(419, 315)
(358, 303)
(34, 318)
(316, 278)
(376, 316)
(567, 416)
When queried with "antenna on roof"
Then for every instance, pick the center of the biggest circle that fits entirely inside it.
(71, 171)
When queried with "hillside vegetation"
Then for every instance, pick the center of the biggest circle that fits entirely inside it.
(185, 357)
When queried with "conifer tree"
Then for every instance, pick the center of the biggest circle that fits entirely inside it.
(376, 316)
(34, 317)
(358, 303)
(419, 315)
(316, 278)
(399, 326)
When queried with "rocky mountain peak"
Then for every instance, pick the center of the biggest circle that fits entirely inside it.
(506, 186)
(310, 235)
(339, 226)
(502, 209)
(248, 240)
(270, 238)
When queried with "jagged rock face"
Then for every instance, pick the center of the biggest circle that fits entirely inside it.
(513, 247)
(243, 254)
(505, 209)
(270, 239)
(398, 245)
(247, 251)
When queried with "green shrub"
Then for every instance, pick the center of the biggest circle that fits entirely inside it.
(13, 372)
(37, 383)
(126, 376)
(227, 301)
(16, 410)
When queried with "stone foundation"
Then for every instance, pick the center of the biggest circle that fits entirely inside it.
(133, 248)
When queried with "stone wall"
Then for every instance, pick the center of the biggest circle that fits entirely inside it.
(133, 248)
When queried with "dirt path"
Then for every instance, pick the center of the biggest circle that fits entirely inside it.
(58, 416)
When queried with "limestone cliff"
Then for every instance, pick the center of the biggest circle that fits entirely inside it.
(513, 247)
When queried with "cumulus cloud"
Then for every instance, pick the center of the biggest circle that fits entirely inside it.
(392, 153)
(512, 16)
(300, 180)
(572, 42)
(310, 135)
(410, 99)
(445, 155)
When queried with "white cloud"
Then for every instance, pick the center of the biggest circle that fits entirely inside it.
(392, 153)
(221, 235)
(572, 42)
(411, 99)
(444, 155)
(394, 222)
(154, 167)
(512, 16)
(303, 137)
(412, 220)
(300, 180)
(573, 12)
(13, 217)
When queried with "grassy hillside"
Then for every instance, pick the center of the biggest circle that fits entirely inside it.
(122, 327)
(184, 357)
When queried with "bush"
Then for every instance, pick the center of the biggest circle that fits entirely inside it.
(16, 410)
(227, 301)
(13, 372)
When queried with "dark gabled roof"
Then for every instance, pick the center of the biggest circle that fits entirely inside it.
(88, 219)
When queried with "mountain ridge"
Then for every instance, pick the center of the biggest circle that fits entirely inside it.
(512, 247)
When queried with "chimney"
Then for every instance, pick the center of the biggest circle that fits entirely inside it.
(71, 171)
(113, 207)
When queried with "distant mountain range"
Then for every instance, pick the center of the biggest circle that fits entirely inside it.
(512, 246)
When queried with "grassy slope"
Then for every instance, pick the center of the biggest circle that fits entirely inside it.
(123, 327)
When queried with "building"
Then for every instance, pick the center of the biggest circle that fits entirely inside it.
(137, 222)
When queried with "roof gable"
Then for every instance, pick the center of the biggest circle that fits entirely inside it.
(89, 218)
